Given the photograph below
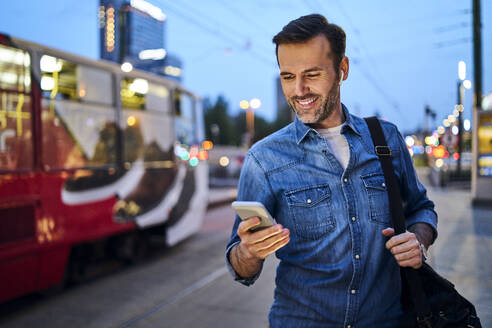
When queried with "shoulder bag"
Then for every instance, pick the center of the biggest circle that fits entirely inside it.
(428, 300)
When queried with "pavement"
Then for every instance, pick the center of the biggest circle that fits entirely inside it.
(221, 196)
(462, 253)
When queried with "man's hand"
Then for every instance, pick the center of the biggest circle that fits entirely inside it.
(260, 244)
(405, 248)
(246, 256)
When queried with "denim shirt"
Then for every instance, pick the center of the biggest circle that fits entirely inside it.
(335, 271)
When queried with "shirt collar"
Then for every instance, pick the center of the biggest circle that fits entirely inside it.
(302, 130)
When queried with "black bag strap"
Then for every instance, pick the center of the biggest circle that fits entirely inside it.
(421, 306)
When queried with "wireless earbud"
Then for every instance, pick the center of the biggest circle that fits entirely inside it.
(341, 78)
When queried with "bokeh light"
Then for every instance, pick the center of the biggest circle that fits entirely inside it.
(203, 155)
(224, 161)
(126, 67)
(409, 141)
(131, 120)
(244, 104)
(194, 161)
(207, 145)
(255, 103)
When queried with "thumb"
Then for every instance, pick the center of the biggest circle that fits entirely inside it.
(388, 232)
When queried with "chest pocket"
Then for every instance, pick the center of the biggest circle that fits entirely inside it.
(311, 211)
(377, 196)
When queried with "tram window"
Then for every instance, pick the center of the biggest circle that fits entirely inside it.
(200, 123)
(183, 104)
(158, 98)
(59, 78)
(94, 85)
(62, 79)
(133, 93)
(14, 69)
(16, 149)
(184, 125)
(78, 119)
(77, 134)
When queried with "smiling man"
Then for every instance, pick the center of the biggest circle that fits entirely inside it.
(309, 80)
(322, 180)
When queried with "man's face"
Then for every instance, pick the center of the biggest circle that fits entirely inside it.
(309, 81)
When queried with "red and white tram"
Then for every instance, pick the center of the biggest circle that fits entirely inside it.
(88, 155)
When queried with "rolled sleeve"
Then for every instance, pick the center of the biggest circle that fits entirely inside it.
(253, 186)
(244, 281)
(424, 216)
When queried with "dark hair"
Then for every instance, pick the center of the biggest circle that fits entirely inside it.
(307, 27)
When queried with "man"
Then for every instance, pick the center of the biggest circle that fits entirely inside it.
(322, 181)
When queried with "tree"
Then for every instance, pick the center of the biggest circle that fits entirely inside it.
(218, 127)
(223, 129)
(262, 128)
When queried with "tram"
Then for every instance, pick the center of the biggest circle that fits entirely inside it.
(91, 157)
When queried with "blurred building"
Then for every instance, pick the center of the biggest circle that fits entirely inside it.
(133, 31)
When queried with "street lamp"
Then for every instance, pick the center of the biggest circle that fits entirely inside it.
(250, 107)
(254, 104)
(461, 94)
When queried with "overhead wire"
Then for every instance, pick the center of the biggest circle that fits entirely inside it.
(369, 77)
(451, 27)
(449, 43)
(404, 23)
(216, 31)
(236, 11)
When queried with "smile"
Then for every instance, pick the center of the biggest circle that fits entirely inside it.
(307, 102)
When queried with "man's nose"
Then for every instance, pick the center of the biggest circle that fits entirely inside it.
(301, 87)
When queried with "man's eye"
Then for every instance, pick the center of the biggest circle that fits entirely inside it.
(287, 77)
(313, 75)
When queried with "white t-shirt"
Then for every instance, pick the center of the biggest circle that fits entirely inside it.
(337, 144)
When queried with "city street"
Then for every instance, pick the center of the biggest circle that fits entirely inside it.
(188, 286)
(126, 125)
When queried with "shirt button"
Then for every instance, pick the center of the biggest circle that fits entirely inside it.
(349, 326)
(324, 151)
(345, 180)
(353, 291)
(357, 256)
(383, 184)
(353, 218)
(309, 201)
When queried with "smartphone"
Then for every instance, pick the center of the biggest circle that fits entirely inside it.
(245, 210)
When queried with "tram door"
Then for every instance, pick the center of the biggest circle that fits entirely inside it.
(19, 197)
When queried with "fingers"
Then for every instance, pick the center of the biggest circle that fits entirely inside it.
(247, 224)
(404, 256)
(400, 239)
(260, 244)
(406, 249)
(407, 246)
(271, 245)
(388, 232)
(244, 231)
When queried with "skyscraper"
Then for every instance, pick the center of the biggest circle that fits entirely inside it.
(134, 31)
